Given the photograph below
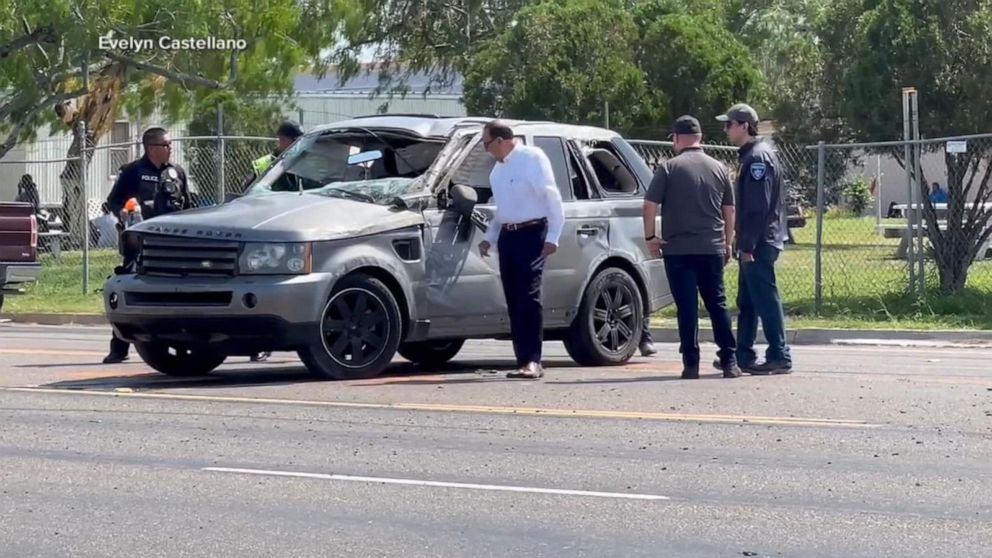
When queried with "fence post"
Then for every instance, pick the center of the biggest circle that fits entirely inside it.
(300, 113)
(221, 179)
(84, 190)
(908, 163)
(821, 161)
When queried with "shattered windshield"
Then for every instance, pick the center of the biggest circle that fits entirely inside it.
(381, 191)
(367, 165)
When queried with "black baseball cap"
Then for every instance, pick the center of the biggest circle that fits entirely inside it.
(289, 129)
(686, 125)
(740, 113)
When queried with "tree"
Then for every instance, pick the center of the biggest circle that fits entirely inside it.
(874, 48)
(410, 36)
(258, 117)
(131, 61)
(703, 70)
(555, 62)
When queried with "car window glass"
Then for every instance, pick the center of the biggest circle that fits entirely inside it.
(554, 148)
(613, 176)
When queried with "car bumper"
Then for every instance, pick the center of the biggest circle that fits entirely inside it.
(12, 274)
(239, 315)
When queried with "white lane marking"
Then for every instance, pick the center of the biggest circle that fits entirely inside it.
(438, 484)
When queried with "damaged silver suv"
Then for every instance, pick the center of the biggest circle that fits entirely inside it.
(361, 242)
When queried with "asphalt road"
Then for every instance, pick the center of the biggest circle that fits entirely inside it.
(864, 451)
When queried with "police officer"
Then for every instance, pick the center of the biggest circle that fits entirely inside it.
(762, 225)
(159, 187)
(286, 135)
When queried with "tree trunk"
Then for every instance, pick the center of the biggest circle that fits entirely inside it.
(953, 247)
(74, 203)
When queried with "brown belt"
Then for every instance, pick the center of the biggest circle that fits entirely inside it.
(525, 224)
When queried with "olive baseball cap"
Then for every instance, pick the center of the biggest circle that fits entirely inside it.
(740, 113)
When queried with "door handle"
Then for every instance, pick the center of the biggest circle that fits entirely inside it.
(587, 231)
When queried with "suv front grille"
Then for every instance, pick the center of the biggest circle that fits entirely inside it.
(175, 256)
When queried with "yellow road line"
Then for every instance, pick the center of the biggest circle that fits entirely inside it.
(476, 409)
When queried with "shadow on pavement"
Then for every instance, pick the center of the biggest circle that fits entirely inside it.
(287, 373)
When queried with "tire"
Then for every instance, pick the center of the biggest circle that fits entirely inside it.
(603, 332)
(186, 361)
(431, 353)
(375, 336)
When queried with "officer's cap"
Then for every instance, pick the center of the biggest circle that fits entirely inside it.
(740, 113)
(289, 129)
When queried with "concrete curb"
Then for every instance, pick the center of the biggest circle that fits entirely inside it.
(905, 338)
(56, 319)
(896, 338)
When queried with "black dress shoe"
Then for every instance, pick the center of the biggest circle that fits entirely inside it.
(115, 359)
(690, 372)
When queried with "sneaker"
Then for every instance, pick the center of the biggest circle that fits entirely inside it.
(770, 368)
(720, 367)
(647, 349)
(690, 372)
(260, 357)
(731, 371)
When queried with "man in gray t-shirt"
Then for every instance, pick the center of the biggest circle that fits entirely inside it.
(697, 226)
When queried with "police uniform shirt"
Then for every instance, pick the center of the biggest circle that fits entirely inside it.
(761, 210)
(524, 189)
(139, 179)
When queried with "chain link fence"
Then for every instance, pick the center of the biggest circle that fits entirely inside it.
(865, 224)
(77, 234)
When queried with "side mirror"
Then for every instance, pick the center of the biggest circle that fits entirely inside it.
(463, 199)
(364, 157)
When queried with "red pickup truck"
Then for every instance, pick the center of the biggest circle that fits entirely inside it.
(18, 248)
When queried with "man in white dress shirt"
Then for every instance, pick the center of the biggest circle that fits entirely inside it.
(527, 223)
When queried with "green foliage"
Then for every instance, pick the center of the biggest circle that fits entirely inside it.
(410, 36)
(703, 70)
(37, 74)
(555, 63)
(857, 196)
(566, 60)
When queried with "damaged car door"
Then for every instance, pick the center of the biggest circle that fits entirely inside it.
(463, 289)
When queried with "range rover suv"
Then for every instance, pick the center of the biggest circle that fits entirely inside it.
(360, 242)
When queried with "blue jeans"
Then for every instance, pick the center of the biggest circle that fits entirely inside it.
(758, 297)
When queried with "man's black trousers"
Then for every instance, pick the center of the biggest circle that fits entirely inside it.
(521, 269)
(690, 276)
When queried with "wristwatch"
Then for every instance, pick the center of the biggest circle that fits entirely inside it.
(652, 237)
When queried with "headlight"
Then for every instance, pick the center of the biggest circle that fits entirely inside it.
(283, 258)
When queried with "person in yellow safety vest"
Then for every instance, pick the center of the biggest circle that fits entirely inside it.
(286, 135)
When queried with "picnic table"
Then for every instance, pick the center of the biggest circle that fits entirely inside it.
(906, 234)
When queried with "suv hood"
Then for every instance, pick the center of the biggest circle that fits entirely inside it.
(283, 217)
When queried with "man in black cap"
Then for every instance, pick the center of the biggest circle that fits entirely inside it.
(762, 228)
(287, 133)
(697, 226)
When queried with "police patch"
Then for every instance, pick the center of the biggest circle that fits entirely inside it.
(757, 170)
